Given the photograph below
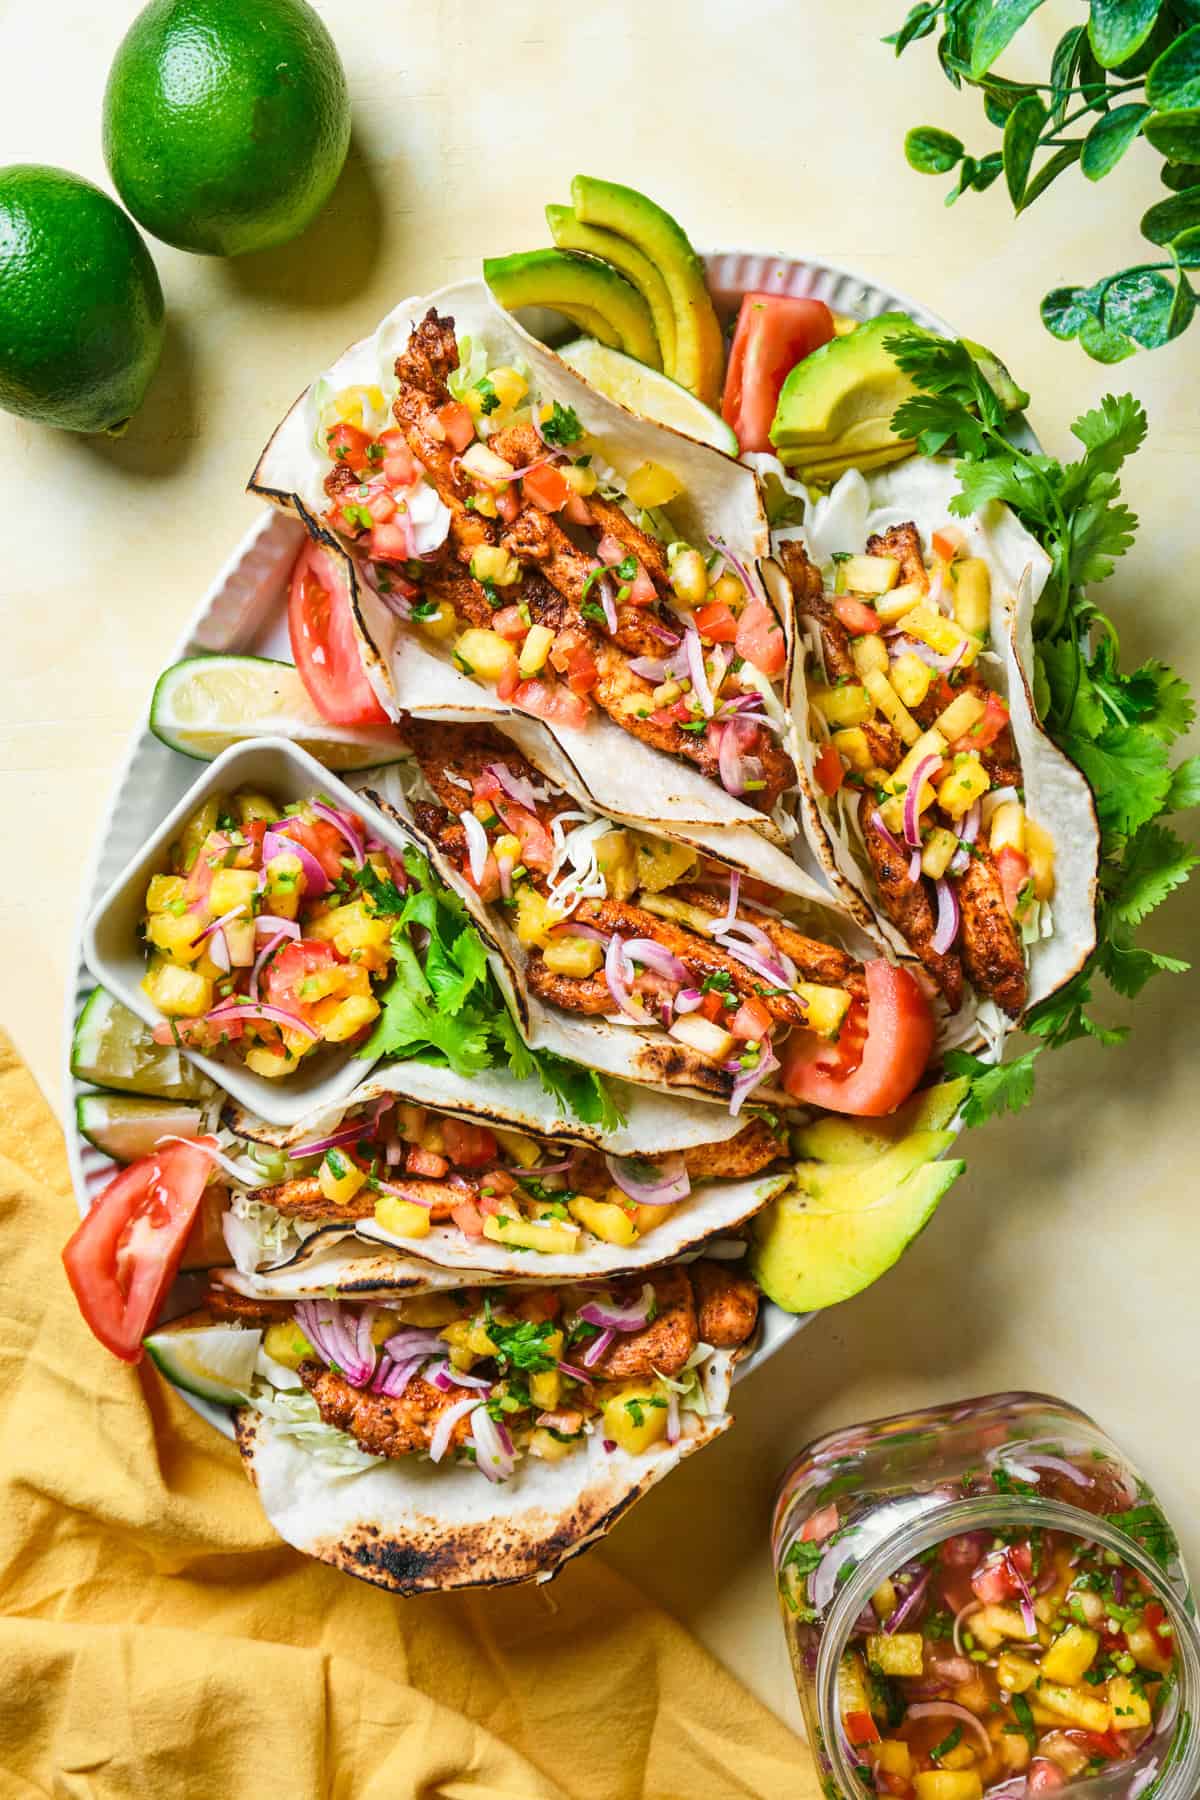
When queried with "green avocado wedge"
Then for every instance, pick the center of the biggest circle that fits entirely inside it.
(844, 394)
(805, 1258)
(834, 1138)
(629, 261)
(856, 1187)
(582, 289)
(699, 348)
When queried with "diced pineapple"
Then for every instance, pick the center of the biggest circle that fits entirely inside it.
(826, 1006)
(963, 1756)
(580, 479)
(930, 743)
(646, 1218)
(510, 385)
(534, 651)
(523, 1150)
(660, 864)
(544, 1445)
(965, 710)
(506, 845)
(175, 933)
(941, 634)
(284, 885)
(1079, 1706)
(911, 678)
(1130, 1707)
(853, 748)
(1016, 1673)
(354, 405)
(443, 623)
(202, 821)
(972, 585)
(272, 1064)
(651, 485)
(891, 706)
(852, 1685)
(490, 563)
(884, 1599)
(604, 1219)
(1039, 848)
(894, 1757)
(868, 574)
(251, 807)
(947, 1784)
(553, 1237)
(545, 1386)
(239, 941)
(635, 1416)
(667, 906)
(484, 653)
(846, 705)
(940, 846)
(617, 863)
(869, 652)
(1145, 1649)
(164, 892)
(431, 1310)
(996, 1622)
(230, 888)
(348, 1017)
(534, 919)
(338, 1178)
(355, 932)
(1007, 829)
(897, 1652)
(966, 782)
(487, 465)
(1071, 1654)
(179, 993)
(403, 1218)
(285, 1343)
(899, 603)
(703, 1036)
(577, 957)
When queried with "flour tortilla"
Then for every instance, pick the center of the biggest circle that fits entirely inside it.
(614, 771)
(1056, 793)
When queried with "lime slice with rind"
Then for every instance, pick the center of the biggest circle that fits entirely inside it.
(126, 1126)
(215, 1362)
(113, 1048)
(206, 703)
(647, 392)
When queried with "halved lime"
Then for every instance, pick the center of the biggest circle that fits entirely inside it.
(126, 1126)
(206, 703)
(112, 1048)
(214, 1361)
(647, 392)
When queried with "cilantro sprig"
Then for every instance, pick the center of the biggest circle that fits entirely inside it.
(1118, 726)
(442, 1004)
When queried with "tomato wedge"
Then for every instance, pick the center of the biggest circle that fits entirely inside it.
(760, 639)
(122, 1257)
(899, 1038)
(774, 332)
(716, 622)
(1013, 869)
(829, 770)
(468, 1146)
(324, 646)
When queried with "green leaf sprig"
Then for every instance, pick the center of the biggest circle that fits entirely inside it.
(1133, 71)
(1117, 726)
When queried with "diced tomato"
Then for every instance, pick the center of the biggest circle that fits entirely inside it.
(861, 1728)
(468, 1218)
(1156, 1622)
(324, 642)
(122, 1257)
(611, 550)
(986, 729)
(900, 1032)
(1044, 1777)
(320, 839)
(399, 465)
(500, 1181)
(488, 885)
(347, 444)
(582, 673)
(511, 623)
(889, 1783)
(642, 591)
(774, 332)
(760, 639)
(947, 542)
(468, 1146)
(456, 421)
(578, 510)
(508, 504)
(998, 1580)
(751, 1021)
(426, 1162)
(392, 540)
(716, 622)
(287, 972)
(856, 615)
(1012, 866)
(829, 770)
(557, 705)
(712, 1006)
(820, 1526)
(381, 506)
(545, 487)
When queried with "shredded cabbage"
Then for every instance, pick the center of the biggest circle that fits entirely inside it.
(295, 1416)
(472, 367)
(256, 1233)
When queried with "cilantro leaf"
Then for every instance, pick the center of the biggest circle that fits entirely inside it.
(1155, 863)
(1184, 790)
(1060, 1018)
(1126, 767)
(995, 1088)
(1127, 967)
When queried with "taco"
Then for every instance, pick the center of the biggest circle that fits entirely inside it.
(936, 800)
(479, 1436)
(518, 541)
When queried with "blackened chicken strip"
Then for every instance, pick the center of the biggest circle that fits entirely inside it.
(815, 961)
(990, 941)
(304, 1199)
(664, 1345)
(383, 1424)
(537, 539)
(422, 369)
(903, 542)
(908, 905)
(999, 758)
(242, 1309)
(809, 592)
(726, 1304)
(754, 1149)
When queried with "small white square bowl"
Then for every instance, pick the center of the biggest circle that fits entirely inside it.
(112, 945)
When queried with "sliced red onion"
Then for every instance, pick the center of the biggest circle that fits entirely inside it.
(729, 917)
(732, 761)
(696, 670)
(687, 1000)
(274, 1015)
(573, 928)
(478, 848)
(447, 1377)
(264, 956)
(950, 1709)
(992, 799)
(909, 1603)
(670, 1185)
(528, 468)
(948, 916)
(777, 971)
(218, 951)
(392, 1378)
(673, 1425)
(1141, 1780)
(277, 843)
(749, 1079)
(341, 823)
(751, 586)
(515, 786)
(650, 668)
(914, 866)
(243, 1173)
(615, 966)
(403, 1193)
(597, 1348)
(1028, 1616)
(912, 796)
(879, 826)
(268, 925)
(960, 1617)
(345, 1134)
(504, 869)
(340, 1336)
(653, 956)
(439, 1443)
(611, 1317)
(235, 912)
(414, 1340)
(575, 1374)
(494, 1452)
(968, 831)
(609, 604)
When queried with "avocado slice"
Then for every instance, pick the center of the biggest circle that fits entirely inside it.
(1011, 397)
(829, 396)
(569, 234)
(699, 347)
(803, 1258)
(583, 290)
(855, 1187)
(834, 1138)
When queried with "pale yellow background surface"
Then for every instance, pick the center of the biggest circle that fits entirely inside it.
(1067, 1257)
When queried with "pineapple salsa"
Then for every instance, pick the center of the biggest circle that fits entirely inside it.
(267, 933)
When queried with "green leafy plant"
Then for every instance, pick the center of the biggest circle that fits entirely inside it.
(1133, 70)
(1117, 726)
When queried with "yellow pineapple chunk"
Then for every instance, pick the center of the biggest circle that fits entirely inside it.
(338, 1178)
(845, 705)
(1039, 848)
(899, 603)
(911, 678)
(965, 710)
(891, 706)
(1071, 1654)
(868, 574)
(940, 846)
(972, 585)
(1007, 829)
(605, 1219)
(869, 652)
(966, 782)
(577, 957)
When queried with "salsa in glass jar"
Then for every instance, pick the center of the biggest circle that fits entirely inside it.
(986, 1601)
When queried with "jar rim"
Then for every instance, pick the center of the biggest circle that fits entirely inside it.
(1178, 1778)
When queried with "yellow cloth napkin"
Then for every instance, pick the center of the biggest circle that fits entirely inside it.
(157, 1639)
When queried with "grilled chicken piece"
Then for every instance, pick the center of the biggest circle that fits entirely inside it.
(240, 1309)
(422, 368)
(340, 479)
(534, 537)
(908, 906)
(303, 1199)
(726, 1304)
(381, 1424)
(444, 751)
(990, 941)
(664, 1345)
(451, 585)
(904, 543)
(815, 961)
(753, 1149)
(884, 742)
(809, 592)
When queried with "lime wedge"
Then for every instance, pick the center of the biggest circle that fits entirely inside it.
(214, 1361)
(203, 705)
(647, 392)
(126, 1126)
(113, 1049)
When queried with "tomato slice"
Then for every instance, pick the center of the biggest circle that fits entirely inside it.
(122, 1257)
(861, 1728)
(774, 332)
(558, 705)
(544, 486)
(288, 971)
(347, 444)
(323, 642)
(751, 1021)
(829, 770)
(1013, 869)
(468, 1146)
(716, 622)
(760, 639)
(457, 423)
(856, 615)
(986, 729)
(896, 1048)
(320, 839)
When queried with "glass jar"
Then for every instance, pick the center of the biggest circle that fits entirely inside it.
(859, 1505)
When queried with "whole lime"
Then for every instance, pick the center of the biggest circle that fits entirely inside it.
(81, 310)
(226, 122)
